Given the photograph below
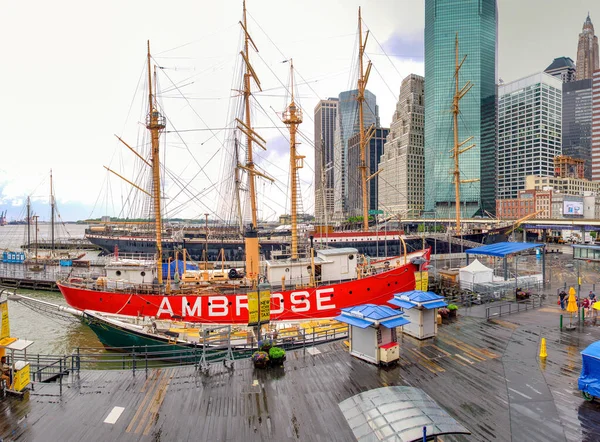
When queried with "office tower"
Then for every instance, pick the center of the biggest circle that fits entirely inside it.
(587, 51)
(577, 122)
(596, 125)
(373, 152)
(402, 178)
(475, 23)
(325, 120)
(562, 68)
(529, 131)
(347, 125)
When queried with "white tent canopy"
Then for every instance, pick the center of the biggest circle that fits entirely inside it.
(475, 273)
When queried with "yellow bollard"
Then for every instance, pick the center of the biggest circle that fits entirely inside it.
(543, 353)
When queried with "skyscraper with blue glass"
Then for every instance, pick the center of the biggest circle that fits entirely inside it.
(475, 22)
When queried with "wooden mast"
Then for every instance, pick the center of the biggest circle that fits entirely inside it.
(363, 77)
(51, 214)
(28, 224)
(247, 93)
(155, 122)
(292, 117)
(458, 94)
(251, 234)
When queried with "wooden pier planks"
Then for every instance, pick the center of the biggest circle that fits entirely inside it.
(464, 369)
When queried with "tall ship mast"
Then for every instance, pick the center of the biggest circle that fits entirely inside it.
(292, 117)
(334, 278)
(458, 149)
(363, 77)
(155, 123)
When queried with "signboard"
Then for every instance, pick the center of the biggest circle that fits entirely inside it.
(22, 378)
(574, 208)
(4, 328)
(375, 212)
(265, 306)
(256, 310)
(421, 281)
(252, 308)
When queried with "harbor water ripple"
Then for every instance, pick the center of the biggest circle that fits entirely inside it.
(50, 333)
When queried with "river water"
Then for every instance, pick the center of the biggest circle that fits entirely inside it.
(51, 334)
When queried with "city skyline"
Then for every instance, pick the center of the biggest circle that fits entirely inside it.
(66, 96)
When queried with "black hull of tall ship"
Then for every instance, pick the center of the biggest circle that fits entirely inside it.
(233, 249)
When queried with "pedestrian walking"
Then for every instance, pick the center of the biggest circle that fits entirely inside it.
(562, 296)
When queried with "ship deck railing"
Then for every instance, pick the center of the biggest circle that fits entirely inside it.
(54, 368)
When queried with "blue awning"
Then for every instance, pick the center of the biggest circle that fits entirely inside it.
(434, 304)
(404, 304)
(353, 320)
(503, 249)
(396, 322)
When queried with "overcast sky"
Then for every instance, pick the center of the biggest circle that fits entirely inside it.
(73, 76)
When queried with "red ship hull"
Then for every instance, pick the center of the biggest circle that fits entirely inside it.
(290, 305)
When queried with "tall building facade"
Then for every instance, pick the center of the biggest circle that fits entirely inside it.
(529, 131)
(587, 51)
(475, 23)
(348, 124)
(401, 185)
(596, 125)
(577, 122)
(562, 68)
(373, 153)
(325, 120)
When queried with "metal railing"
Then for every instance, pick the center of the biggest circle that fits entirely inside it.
(54, 368)
(509, 308)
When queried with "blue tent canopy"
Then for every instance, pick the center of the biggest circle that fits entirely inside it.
(502, 249)
(589, 380)
(177, 265)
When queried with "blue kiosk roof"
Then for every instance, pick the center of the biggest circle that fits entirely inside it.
(414, 298)
(366, 315)
(502, 249)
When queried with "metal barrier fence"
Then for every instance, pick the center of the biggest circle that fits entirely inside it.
(509, 308)
(53, 368)
(486, 293)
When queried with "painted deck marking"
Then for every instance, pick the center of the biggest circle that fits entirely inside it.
(114, 415)
(313, 351)
(518, 392)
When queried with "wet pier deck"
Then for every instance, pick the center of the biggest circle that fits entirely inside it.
(485, 374)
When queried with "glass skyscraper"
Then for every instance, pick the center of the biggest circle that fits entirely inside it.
(475, 22)
(348, 125)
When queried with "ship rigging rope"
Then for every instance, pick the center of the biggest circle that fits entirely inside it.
(49, 312)
(202, 168)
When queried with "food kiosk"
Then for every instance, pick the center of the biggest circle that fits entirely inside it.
(372, 332)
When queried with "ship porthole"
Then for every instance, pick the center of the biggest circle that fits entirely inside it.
(350, 291)
(287, 270)
(118, 273)
(143, 273)
(350, 257)
(368, 289)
